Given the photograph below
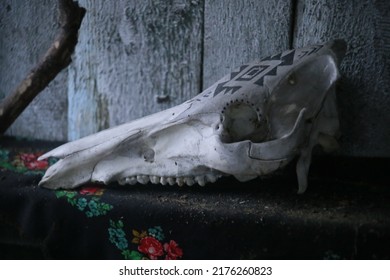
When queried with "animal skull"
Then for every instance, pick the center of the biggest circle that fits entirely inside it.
(250, 123)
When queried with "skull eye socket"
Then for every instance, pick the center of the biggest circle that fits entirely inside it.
(242, 122)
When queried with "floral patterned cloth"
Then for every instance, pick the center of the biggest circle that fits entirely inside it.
(26, 163)
(91, 201)
(337, 218)
(151, 243)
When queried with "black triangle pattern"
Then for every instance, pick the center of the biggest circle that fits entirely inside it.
(286, 60)
(221, 86)
(234, 74)
(272, 72)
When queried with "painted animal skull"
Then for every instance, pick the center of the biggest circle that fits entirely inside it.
(250, 123)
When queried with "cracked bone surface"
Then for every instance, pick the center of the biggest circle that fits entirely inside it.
(250, 123)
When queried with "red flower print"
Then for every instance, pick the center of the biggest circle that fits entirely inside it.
(31, 161)
(173, 250)
(151, 247)
(91, 190)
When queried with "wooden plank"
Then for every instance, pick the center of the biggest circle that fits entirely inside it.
(134, 58)
(237, 32)
(364, 91)
(27, 29)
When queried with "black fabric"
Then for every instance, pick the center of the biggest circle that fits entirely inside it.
(343, 215)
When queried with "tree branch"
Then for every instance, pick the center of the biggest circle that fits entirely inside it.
(57, 57)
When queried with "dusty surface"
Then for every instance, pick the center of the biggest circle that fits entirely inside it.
(345, 212)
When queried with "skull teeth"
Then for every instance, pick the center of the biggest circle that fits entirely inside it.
(201, 180)
(155, 179)
(189, 181)
(163, 181)
(129, 180)
(180, 181)
(171, 181)
(143, 179)
(211, 178)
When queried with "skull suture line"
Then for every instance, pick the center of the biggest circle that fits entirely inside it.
(250, 123)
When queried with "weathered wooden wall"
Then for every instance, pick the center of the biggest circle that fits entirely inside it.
(138, 57)
(237, 32)
(27, 29)
(364, 91)
(134, 58)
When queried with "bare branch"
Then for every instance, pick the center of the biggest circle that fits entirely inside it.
(57, 57)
